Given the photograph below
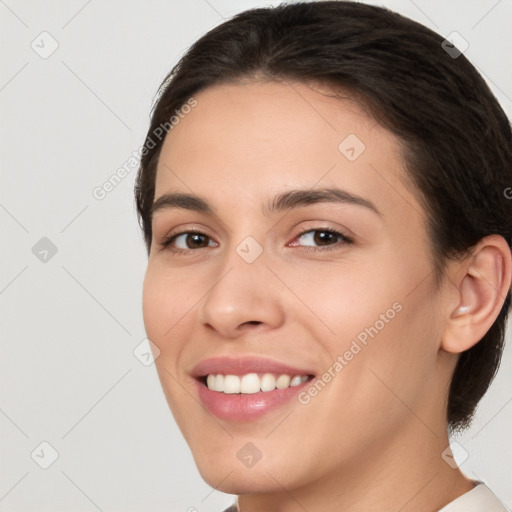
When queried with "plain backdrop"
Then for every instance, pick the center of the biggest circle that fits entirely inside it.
(77, 80)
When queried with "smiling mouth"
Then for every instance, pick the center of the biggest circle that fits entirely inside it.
(251, 383)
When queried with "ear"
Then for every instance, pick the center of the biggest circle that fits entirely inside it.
(483, 282)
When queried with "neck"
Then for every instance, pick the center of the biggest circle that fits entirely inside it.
(405, 473)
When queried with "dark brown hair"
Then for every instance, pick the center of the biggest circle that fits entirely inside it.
(457, 141)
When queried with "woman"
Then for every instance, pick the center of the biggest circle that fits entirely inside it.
(323, 198)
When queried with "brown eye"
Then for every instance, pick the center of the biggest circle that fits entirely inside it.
(187, 240)
(322, 237)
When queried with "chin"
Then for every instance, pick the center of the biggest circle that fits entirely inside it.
(224, 471)
(240, 481)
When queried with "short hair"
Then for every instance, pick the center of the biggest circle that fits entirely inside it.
(456, 141)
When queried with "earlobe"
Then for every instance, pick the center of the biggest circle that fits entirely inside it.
(482, 290)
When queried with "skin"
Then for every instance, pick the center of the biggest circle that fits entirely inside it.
(372, 439)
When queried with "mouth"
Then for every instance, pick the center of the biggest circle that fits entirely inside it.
(244, 389)
(251, 383)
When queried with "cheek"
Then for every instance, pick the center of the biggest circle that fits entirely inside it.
(371, 314)
(161, 314)
(152, 307)
(170, 299)
(388, 350)
(160, 309)
(349, 298)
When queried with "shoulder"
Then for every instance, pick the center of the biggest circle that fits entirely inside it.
(478, 499)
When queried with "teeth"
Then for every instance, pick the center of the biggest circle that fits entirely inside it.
(210, 381)
(283, 381)
(231, 384)
(296, 380)
(268, 382)
(251, 383)
(219, 382)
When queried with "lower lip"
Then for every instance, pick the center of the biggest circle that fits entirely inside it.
(246, 407)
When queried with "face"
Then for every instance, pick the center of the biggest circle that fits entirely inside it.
(303, 263)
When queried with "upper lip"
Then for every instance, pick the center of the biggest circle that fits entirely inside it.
(243, 365)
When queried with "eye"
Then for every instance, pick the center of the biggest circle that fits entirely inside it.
(186, 241)
(326, 239)
(323, 237)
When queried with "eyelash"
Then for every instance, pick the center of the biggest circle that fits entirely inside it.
(166, 243)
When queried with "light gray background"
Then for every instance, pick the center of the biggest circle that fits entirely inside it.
(69, 325)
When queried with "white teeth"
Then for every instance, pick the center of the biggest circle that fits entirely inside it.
(283, 381)
(296, 380)
(251, 383)
(268, 382)
(210, 381)
(219, 383)
(231, 384)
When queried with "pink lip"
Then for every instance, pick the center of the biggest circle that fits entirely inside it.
(245, 407)
(243, 365)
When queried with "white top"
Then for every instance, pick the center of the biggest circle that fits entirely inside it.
(478, 499)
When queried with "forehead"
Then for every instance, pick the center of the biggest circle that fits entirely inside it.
(243, 141)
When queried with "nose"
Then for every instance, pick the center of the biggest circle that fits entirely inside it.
(243, 296)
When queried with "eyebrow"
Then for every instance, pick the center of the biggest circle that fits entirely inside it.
(281, 202)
